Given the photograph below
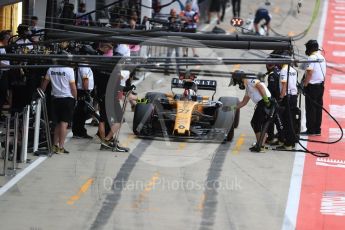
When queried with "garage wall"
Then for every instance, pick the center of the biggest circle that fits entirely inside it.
(38, 8)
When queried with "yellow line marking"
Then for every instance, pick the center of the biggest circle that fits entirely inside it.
(239, 144)
(83, 189)
(232, 30)
(129, 140)
(235, 67)
(182, 146)
(148, 188)
(291, 33)
(276, 10)
(202, 202)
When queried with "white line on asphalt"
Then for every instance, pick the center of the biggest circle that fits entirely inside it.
(336, 65)
(338, 12)
(339, 35)
(340, 27)
(339, 8)
(20, 175)
(338, 79)
(339, 1)
(333, 203)
(339, 16)
(334, 134)
(338, 53)
(339, 22)
(336, 43)
(290, 216)
(329, 162)
(27, 170)
(337, 111)
(337, 93)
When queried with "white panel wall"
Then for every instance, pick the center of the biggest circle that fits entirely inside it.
(39, 8)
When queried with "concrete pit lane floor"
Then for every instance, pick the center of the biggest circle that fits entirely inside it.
(162, 184)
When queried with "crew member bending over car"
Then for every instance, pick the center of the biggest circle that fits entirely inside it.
(262, 14)
(260, 95)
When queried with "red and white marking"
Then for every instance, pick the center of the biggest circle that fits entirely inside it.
(317, 190)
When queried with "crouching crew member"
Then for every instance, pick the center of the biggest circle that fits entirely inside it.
(64, 93)
(85, 85)
(260, 95)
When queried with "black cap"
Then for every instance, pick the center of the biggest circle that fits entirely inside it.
(22, 29)
(312, 44)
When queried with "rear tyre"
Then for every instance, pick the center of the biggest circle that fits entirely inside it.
(225, 118)
(152, 96)
(237, 116)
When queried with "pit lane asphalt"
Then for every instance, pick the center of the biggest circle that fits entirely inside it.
(160, 184)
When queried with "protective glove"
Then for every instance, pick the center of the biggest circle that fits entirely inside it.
(266, 101)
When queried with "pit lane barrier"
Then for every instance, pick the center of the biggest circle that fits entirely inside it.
(18, 127)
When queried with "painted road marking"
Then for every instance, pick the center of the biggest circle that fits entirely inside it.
(276, 10)
(337, 93)
(336, 65)
(148, 188)
(338, 79)
(337, 111)
(290, 216)
(333, 203)
(239, 144)
(338, 12)
(336, 43)
(330, 162)
(339, 22)
(295, 190)
(129, 139)
(339, 35)
(83, 189)
(334, 133)
(339, 17)
(338, 53)
(291, 33)
(182, 146)
(320, 204)
(20, 175)
(235, 67)
(339, 8)
(201, 205)
(339, 27)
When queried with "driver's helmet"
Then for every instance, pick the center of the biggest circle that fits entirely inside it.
(192, 91)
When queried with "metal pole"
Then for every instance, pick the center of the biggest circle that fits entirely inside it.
(7, 144)
(47, 128)
(37, 124)
(26, 114)
(15, 142)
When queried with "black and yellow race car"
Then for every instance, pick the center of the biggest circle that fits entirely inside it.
(187, 115)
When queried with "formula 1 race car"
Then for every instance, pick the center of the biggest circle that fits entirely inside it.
(187, 115)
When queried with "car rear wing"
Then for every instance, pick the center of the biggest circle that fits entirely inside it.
(202, 84)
